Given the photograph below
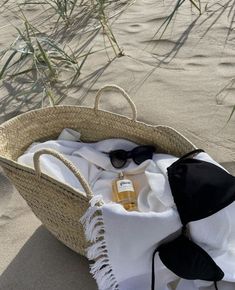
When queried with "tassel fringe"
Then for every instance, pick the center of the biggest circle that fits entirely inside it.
(94, 231)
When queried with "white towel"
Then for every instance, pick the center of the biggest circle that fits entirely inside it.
(129, 239)
(95, 166)
(125, 241)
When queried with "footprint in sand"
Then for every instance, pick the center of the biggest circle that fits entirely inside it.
(226, 69)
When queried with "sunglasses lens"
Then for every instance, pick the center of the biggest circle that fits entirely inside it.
(142, 153)
(118, 158)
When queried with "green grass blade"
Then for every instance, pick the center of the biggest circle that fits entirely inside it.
(196, 6)
(51, 97)
(62, 52)
(22, 72)
(21, 34)
(46, 59)
(72, 8)
(7, 63)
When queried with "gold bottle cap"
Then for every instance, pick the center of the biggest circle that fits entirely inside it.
(121, 175)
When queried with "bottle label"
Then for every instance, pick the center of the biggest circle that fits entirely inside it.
(125, 185)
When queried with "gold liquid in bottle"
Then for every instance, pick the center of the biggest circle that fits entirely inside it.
(124, 192)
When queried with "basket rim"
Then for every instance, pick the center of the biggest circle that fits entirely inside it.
(60, 107)
(107, 113)
(12, 164)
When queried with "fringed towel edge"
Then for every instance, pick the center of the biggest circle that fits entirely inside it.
(93, 224)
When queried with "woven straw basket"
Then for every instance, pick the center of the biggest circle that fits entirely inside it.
(57, 205)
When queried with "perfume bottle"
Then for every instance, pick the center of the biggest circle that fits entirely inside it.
(124, 192)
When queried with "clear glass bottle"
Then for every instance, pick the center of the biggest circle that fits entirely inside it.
(124, 192)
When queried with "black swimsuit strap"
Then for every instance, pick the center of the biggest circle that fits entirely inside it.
(189, 154)
(194, 152)
(215, 284)
(153, 269)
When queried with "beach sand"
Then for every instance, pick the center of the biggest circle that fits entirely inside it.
(184, 80)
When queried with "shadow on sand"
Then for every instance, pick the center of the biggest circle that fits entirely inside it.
(230, 166)
(44, 263)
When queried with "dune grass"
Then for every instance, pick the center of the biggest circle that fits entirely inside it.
(99, 7)
(163, 27)
(41, 60)
(42, 56)
(64, 8)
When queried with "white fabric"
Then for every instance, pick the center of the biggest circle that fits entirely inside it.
(96, 168)
(131, 237)
(69, 135)
(130, 255)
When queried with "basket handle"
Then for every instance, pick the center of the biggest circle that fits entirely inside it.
(120, 90)
(66, 162)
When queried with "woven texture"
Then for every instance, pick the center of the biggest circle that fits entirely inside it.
(57, 205)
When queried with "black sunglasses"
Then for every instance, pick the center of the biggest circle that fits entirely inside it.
(139, 154)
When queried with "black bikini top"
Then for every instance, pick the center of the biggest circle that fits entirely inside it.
(199, 189)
